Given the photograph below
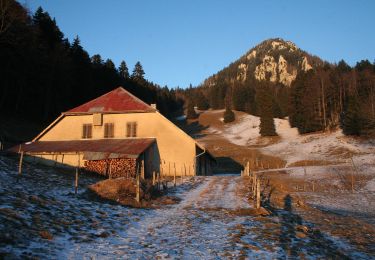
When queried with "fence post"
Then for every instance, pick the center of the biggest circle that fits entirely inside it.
(254, 185)
(258, 194)
(76, 182)
(20, 164)
(174, 176)
(161, 168)
(158, 180)
(77, 176)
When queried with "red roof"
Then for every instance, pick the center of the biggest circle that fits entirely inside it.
(93, 149)
(117, 100)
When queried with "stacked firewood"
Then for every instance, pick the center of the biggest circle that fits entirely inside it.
(113, 168)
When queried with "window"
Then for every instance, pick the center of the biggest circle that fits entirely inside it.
(131, 129)
(86, 131)
(109, 130)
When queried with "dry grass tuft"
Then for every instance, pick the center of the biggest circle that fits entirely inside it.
(46, 235)
(312, 163)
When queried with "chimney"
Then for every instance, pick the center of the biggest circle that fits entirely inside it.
(154, 106)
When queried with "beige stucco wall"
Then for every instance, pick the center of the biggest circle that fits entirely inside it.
(57, 160)
(176, 148)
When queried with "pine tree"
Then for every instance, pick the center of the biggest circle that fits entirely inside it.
(96, 60)
(109, 64)
(202, 102)
(350, 118)
(123, 70)
(138, 72)
(264, 101)
(228, 115)
(191, 114)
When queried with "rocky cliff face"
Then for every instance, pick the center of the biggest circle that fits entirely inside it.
(273, 60)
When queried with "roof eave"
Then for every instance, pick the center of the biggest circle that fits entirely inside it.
(108, 112)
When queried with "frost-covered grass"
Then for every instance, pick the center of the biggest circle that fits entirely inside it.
(40, 217)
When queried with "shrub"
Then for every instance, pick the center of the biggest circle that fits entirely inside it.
(229, 115)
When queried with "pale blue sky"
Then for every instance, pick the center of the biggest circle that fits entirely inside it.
(181, 42)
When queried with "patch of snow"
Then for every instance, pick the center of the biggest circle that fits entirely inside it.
(181, 118)
(246, 129)
(294, 147)
(370, 186)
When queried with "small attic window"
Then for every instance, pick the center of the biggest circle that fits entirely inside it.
(97, 119)
(109, 130)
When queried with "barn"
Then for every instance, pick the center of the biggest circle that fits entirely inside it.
(119, 135)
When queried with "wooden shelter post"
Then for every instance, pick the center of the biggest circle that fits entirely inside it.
(143, 169)
(138, 190)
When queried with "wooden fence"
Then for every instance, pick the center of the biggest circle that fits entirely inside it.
(349, 179)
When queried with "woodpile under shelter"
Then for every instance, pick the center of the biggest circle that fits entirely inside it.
(116, 135)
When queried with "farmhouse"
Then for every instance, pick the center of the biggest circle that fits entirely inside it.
(116, 135)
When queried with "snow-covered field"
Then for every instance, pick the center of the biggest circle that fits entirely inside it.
(40, 217)
(293, 147)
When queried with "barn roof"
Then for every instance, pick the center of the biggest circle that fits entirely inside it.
(92, 149)
(115, 101)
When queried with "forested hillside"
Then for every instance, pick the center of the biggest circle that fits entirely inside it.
(316, 95)
(44, 74)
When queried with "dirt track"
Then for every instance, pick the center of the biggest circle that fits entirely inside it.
(214, 220)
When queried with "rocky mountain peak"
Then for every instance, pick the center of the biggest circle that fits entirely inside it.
(273, 60)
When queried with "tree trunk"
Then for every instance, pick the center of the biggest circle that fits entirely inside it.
(323, 104)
